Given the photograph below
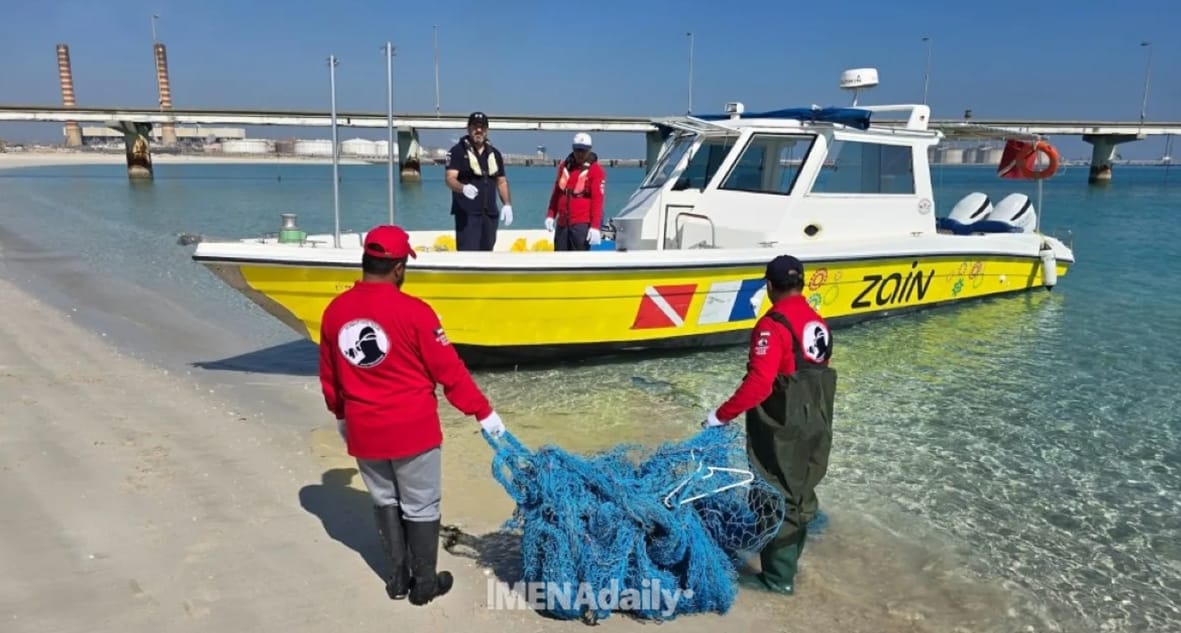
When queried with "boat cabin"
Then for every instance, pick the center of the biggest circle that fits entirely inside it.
(783, 177)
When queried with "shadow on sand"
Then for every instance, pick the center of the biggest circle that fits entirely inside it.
(346, 514)
(498, 551)
(302, 358)
(295, 358)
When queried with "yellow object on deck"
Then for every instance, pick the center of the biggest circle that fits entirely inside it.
(445, 243)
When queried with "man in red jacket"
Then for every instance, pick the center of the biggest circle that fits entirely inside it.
(787, 396)
(575, 210)
(381, 354)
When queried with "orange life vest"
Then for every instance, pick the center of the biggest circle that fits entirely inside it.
(579, 189)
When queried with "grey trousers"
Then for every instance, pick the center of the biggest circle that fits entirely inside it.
(414, 483)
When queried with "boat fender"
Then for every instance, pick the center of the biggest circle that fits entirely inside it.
(1049, 266)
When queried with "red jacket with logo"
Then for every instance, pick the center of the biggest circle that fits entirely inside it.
(577, 197)
(381, 354)
(771, 353)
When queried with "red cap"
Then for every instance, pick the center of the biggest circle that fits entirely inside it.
(388, 242)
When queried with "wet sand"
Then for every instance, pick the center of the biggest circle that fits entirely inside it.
(146, 492)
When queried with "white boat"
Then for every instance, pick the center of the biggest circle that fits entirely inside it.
(684, 260)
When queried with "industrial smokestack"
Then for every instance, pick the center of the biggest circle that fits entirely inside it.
(66, 77)
(167, 130)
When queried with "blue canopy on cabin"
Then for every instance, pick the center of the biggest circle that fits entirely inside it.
(852, 117)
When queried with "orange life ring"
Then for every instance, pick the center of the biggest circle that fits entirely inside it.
(1019, 158)
(1025, 165)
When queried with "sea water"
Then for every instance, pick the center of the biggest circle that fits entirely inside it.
(1038, 435)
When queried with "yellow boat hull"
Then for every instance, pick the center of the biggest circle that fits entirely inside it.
(510, 316)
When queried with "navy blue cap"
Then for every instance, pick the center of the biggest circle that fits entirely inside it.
(478, 118)
(784, 270)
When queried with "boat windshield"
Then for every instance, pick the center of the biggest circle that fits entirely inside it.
(664, 168)
(705, 162)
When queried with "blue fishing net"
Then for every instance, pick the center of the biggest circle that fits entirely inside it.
(661, 531)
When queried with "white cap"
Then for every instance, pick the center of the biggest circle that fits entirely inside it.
(582, 140)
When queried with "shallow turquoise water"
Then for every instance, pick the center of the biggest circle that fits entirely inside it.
(1037, 434)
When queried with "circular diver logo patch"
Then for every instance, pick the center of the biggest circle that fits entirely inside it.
(817, 342)
(363, 342)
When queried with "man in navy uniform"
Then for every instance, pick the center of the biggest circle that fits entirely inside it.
(475, 175)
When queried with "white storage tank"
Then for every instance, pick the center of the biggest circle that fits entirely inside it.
(245, 146)
(358, 147)
(313, 147)
(991, 155)
(952, 156)
(381, 149)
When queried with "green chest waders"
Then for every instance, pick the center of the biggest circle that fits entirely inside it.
(789, 436)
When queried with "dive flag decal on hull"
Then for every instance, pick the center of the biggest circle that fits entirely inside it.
(729, 301)
(664, 306)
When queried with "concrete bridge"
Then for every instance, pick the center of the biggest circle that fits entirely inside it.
(136, 124)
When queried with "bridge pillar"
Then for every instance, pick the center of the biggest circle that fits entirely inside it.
(654, 141)
(139, 155)
(1103, 152)
(409, 155)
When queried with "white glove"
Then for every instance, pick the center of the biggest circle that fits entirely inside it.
(712, 420)
(506, 214)
(340, 429)
(549, 224)
(493, 425)
(594, 236)
(470, 191)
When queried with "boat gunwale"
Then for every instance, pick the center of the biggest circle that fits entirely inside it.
(464, 267)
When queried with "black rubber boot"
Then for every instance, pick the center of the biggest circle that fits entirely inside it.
(427, 583)
(393, 542)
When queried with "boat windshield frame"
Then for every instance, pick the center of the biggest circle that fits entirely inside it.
(681, 142)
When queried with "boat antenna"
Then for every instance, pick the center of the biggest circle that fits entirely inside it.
(1167, 159)
(858, 79)
(332, 63)
(1037, 219)
(389, 99)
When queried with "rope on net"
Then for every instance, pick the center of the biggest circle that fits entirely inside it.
(643, 522)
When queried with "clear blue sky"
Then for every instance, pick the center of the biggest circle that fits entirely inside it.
(1053, 59)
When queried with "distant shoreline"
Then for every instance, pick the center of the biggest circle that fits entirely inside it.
(22, 159)
(51, 158)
